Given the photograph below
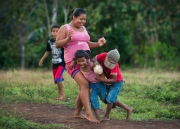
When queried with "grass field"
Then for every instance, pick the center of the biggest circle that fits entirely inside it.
(153, 95)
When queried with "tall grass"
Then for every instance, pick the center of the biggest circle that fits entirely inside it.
(152, 94)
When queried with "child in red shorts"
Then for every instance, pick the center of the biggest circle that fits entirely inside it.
(57, 62)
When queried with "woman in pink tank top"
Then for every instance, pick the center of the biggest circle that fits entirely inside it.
(72, 37)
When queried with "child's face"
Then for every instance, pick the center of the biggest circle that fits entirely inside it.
(82, 62)
(54, 32)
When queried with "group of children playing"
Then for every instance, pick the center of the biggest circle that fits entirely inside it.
(106, 86)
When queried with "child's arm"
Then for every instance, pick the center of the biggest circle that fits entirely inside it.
(44, 57)
(95, 62)
(73, 63)
(105, 80)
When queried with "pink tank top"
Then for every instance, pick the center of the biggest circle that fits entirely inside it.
(78, 41)
(90, 76)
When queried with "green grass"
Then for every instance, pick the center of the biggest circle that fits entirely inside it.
(152, 94)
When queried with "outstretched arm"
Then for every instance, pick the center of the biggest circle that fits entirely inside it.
(44, 57)
(100, 42)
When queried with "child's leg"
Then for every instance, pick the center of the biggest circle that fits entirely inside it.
(97, 114)
(124, 106)
(112, 94)
(58, 78)
(102, 92)
(60, 91)
(108, 110)
(94, 99)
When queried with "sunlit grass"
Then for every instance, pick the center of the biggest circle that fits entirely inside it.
(34, 86)
(149, 77)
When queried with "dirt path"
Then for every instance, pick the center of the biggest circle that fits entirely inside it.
(46, 113)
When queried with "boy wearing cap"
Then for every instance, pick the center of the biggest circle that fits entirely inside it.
(109, 62)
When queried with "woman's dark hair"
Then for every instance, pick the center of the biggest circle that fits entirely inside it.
(77, 12)
(81, 53)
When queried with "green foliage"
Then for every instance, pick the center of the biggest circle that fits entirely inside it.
(170, 113)
(163, 51)
(8, 54)
(169, 95)
(143, 31)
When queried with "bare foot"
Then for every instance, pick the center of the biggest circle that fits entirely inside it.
(82, 116)
(61, 98)
(105, 118)
(92, 119)
(129, 113)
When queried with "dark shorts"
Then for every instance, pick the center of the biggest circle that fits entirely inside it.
(58, 74)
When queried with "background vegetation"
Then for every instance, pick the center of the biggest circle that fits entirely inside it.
(146, 32)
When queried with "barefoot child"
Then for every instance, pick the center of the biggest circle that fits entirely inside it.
(97, 88)
(109, 62)
(57, 62)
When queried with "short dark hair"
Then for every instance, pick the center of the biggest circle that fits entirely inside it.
(55, 26)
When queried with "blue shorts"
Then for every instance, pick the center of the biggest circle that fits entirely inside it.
(58, 74)
(97, 89)
(113, 91)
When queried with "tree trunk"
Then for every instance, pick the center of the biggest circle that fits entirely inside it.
(54, 12)
(136, 44)
(65, 10)
(173, 36)
(21, 41)
(47, 16)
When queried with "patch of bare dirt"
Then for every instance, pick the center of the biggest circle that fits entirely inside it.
(47, 113)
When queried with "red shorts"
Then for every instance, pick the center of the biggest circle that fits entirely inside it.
(72, 72)
(58, 74)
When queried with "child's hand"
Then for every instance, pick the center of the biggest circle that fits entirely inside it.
(100, 78)
(71, 65)
(95, 63)
(40, 62)
(107, 84)
(101, 41)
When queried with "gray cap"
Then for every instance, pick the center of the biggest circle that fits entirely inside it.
(112, 58)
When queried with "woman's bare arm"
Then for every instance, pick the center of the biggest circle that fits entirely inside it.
(63, 37)
(100, 42)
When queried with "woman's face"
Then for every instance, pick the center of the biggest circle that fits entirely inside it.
(80, 20)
